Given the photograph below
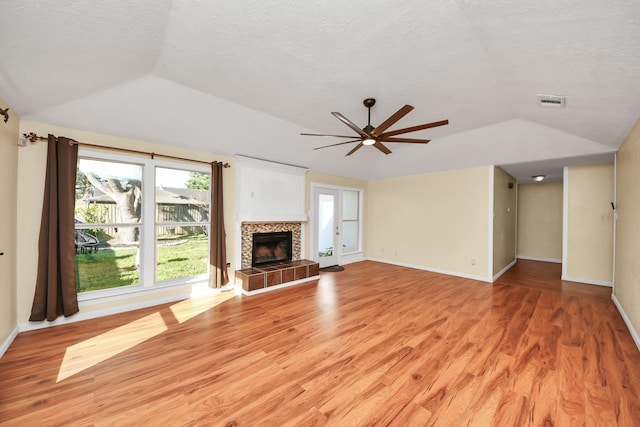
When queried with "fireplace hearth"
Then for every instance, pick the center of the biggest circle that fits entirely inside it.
(272, 247)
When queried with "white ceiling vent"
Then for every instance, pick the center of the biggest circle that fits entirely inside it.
(556, 101)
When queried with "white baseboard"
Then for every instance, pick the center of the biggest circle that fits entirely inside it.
(7, 342)
(534, 258)
(504, 270)
(433, 270)
(273, 288)
(588, 281)
(627, 321)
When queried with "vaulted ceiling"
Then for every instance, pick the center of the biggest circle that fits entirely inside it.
(246, 77)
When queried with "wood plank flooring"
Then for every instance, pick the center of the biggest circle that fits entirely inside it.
(375, 344)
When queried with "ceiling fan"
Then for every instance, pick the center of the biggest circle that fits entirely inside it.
(376, 136)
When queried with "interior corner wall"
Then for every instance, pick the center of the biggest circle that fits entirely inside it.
(8, 216)
(332, 181)
(30, 189)
(540, 221)
(626, 290)
(504, 220)
(589, 227)
(437, 221)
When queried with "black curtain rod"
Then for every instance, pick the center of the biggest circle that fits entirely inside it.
(33, 138)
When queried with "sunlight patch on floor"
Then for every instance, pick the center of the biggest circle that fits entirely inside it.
(189, 308)
(89, 353)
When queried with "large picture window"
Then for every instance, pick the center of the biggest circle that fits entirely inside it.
(139, 222)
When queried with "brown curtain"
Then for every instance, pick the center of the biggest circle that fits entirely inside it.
(56, 293)
(218, 275)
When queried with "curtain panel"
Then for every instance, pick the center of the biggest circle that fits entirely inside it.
(55, 293)
(218, 275)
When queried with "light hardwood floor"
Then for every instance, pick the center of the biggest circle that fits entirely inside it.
(375, 344)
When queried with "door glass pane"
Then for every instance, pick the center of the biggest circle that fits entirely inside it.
(326, 225)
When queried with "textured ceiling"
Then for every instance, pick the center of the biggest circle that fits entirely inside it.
(247, 77)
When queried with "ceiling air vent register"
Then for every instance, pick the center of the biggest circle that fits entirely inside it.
(556, 101)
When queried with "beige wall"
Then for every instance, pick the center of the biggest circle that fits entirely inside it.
(627, 279)
(31, 165)
(540, 221)
(331, 180)
(504, 220)
(589, 245)
(8, 194)
(437, 221)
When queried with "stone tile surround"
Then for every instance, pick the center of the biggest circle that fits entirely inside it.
(248, 228)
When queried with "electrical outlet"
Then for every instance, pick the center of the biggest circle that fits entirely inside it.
(473, 261)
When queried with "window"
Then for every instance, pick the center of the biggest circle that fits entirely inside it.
(139, 222)
(350, 221)
(182, 223)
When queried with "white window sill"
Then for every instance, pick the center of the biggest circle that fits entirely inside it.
(197, 284)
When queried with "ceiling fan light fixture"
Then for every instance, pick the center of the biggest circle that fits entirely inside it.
(368, 141)
(538, 178)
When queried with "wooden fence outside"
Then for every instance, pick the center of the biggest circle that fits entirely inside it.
(165, 213)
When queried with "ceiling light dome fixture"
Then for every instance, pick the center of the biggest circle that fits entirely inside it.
(368, 141)
(538, 178)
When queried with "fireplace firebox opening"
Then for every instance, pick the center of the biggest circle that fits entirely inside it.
(271, 247)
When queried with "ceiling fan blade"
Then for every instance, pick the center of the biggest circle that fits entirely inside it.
(381, 147)
(339, 143)
(392, 119)
(415, 128)
(349, 123)
(322, 134)
(409, 140)
(356, 148)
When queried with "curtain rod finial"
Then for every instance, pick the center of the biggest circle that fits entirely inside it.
(31, 136)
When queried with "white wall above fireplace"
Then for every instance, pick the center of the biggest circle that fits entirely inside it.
(269, 191)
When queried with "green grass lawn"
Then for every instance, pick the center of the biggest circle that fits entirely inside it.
(111, 268)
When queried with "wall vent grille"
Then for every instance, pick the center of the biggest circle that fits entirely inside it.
(555, 101)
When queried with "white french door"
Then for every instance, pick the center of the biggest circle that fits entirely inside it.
(327, 226)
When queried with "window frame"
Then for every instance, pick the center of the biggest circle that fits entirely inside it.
(147, 225)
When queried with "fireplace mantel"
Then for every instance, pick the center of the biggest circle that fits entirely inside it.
(271, 219)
